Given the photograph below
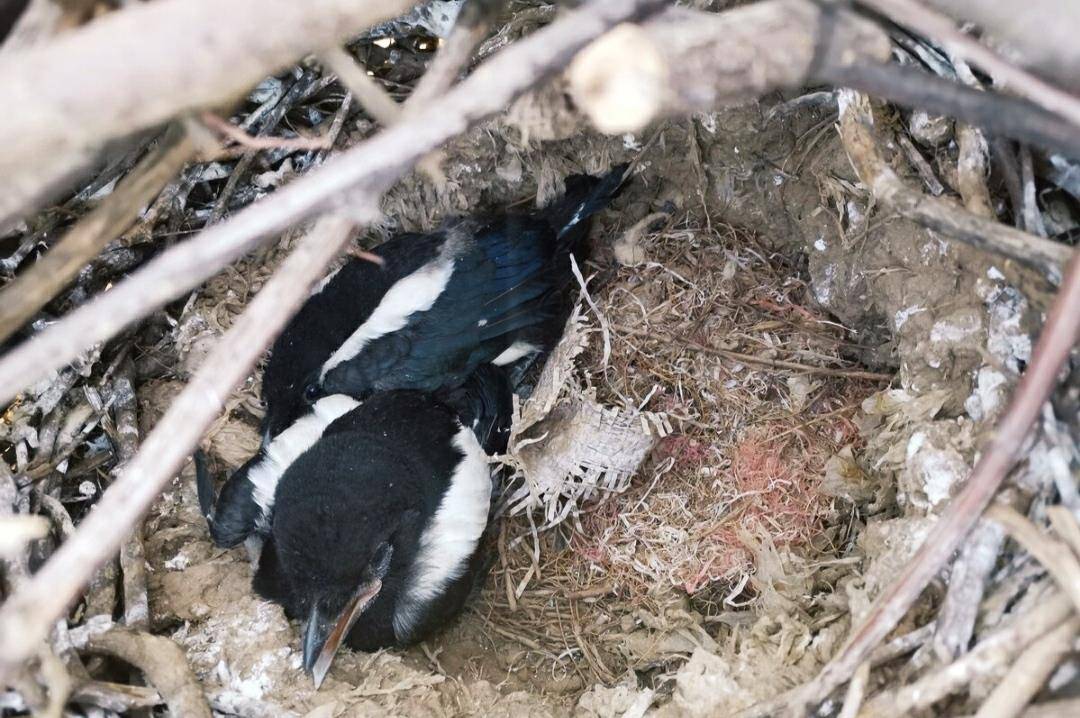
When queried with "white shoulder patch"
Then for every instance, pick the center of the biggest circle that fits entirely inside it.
(290, 444)
(409, 295)
(514, 352)
(451, 536)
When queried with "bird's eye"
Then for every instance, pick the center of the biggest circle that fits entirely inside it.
(311, 393)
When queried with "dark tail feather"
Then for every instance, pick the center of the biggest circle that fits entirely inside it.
(231, 515)
(585, 196)
(485, 403)
(204, 486)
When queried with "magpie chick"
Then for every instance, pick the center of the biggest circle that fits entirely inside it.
(479, 290)
(375, 538)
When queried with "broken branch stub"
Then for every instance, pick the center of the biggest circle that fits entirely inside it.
(686, 61)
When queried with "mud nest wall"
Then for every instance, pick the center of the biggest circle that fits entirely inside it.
(796, 357)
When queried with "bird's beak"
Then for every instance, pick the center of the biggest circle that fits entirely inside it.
(323, 634)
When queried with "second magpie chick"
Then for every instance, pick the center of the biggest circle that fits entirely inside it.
(479, 290)
(376, 530)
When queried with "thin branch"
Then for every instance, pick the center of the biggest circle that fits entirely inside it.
(989, 658)
(132, 551)
(1059, 334)
(27, 614)
(1054, 555)
(997, 114)
(237, 135)
(469, 31)
(1029, 673)
(925, 21)
(143, 62)
(857, 133)
(364, 88)
(33, 288)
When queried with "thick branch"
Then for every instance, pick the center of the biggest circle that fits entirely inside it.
(164, 665)
(685, 61)
(147, 64)
(370, 168)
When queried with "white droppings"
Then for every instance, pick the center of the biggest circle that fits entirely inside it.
(931, 471)
(995, 274)
(178, 562)
(819, 244)
(1005, 340)
(823, 290)
(902, 315)
(987, 396)
(954, 330)
(630, 142)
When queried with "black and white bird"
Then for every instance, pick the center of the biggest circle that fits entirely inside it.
(372, 534)
(479, 290)
(440, 306)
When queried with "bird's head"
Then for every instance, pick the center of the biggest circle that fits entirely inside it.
(336, 545)
(287, 403)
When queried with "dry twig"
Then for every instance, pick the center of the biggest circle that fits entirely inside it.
(1029, 673)
(989, 657)
(925, 21)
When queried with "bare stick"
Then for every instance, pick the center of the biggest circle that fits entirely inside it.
(1054, 555)
(987, 659)
(243, 139)
(971, 171)
(163, 663)
(132, 551)
(150, 63)
(33, 288)
(1033, 221)
(856, 692)
(916, 16)
(686, 61)
(1058, 336)
(454, 54)
(364, 88)
(856, 131)
(997, 114)
(369, 168)
(967, 582)
(1029, 673)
